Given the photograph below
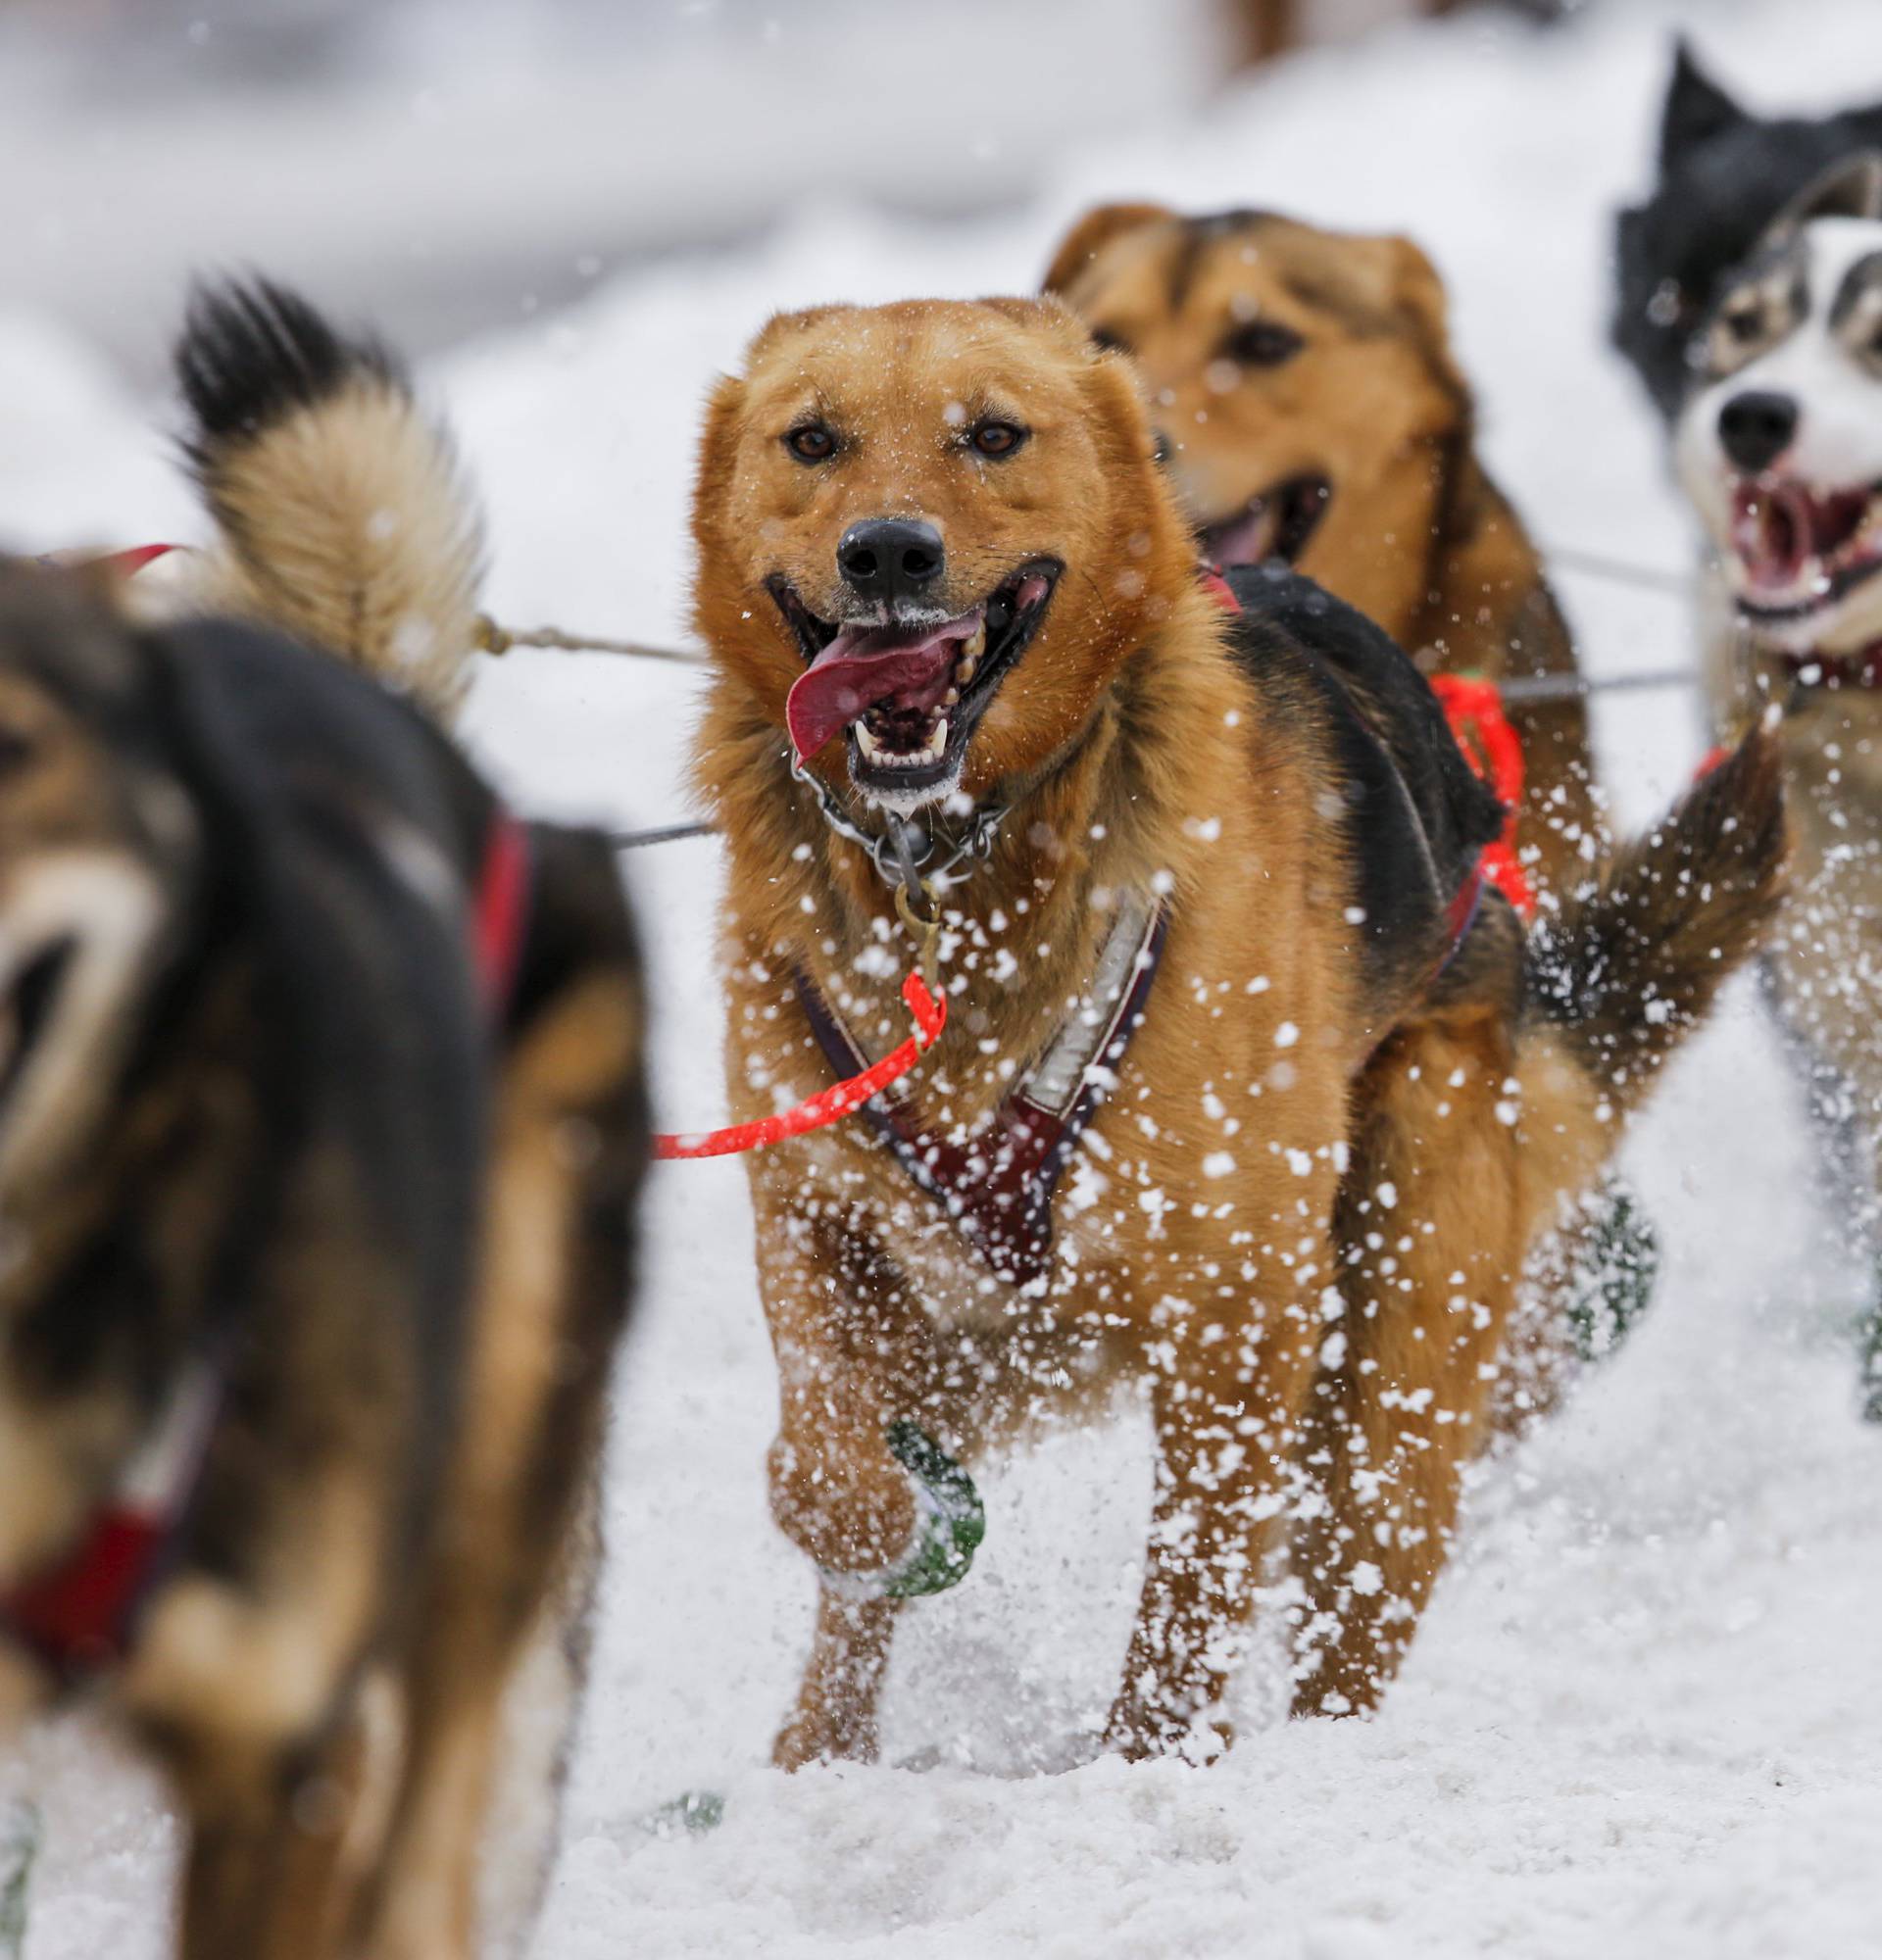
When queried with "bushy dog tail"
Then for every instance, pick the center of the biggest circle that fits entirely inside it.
(343, 517)
(1627, 969)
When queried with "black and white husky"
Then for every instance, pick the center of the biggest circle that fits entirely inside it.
(1779, 446)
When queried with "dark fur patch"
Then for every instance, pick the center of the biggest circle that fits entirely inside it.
(1198, 235)
(1629, 966)
(252, 353)
(1417, 815)
(1724, 173)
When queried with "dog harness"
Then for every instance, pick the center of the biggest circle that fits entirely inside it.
(79, 1616)
(997, 1184)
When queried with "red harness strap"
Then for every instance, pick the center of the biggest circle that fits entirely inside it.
(1473, 707)
(997, 1184)
(499, 909)
(125, 563)
(80, 1615)
(828, 1105)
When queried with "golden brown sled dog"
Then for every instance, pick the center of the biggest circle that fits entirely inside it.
(1313, 411)
(936, 531)
(321, 1123)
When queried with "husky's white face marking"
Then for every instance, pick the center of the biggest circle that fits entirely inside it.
(1780, 443)
(76, 931)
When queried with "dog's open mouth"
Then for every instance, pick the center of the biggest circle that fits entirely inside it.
(909, 695)
(27, 1008)
(1799, 550)
(1276, 525)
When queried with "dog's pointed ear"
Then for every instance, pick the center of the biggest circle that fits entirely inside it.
(1092, 233)
(713, 472)
(1418, 294)
(1697, 108)
(1852, 187)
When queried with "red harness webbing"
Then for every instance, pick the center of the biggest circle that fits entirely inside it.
(997, 1184)
(79, 1616)
(499, 909)
(1473, 707)
(828, 1105)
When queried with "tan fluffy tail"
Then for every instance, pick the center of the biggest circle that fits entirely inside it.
(1630, 967)
(343, 517)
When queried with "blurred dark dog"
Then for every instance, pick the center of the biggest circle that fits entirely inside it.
(321, 1122)
(1723, 175)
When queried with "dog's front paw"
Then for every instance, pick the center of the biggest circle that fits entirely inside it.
(821, 1733)
(1141, 1732)
(949, 1523)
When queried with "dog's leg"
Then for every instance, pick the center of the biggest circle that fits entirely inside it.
(1268, 27)
(1226, 1404)
(275, 1849)
(549, 1300)
(1433, 1229)
(854, 1353)
(835, 1718)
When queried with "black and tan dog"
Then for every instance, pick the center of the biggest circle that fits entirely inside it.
(321, 1123)
(1243, 1096)
(1313, 412)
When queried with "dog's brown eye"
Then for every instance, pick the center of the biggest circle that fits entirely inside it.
(811, 442)
(1262, 343)
(997, 438)
(1110, 340)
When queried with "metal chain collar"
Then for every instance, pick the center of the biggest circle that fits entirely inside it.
(905, 853)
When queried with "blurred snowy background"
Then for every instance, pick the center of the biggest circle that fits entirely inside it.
(1645, 1713)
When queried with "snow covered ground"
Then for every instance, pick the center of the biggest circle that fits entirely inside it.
(1645, 1713)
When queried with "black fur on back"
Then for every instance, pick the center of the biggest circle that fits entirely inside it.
(252, 353)
(1419, 816)
(1723, 175)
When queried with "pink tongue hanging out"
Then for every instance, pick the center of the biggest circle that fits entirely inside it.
(865, 667)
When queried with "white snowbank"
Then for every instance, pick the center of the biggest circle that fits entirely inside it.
(1643, 1716)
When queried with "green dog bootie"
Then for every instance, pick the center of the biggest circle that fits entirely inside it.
(1614, 1276)
(692, 1813)
(20, 1832)
(1869, 1350)
(950, 1521)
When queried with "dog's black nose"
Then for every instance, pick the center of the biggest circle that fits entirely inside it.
(1756, 428)
(891, 557)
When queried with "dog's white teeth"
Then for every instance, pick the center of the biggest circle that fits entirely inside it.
(951, 698)
(976, 646)
(866, 741)
(964, 667)
(936, 744)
